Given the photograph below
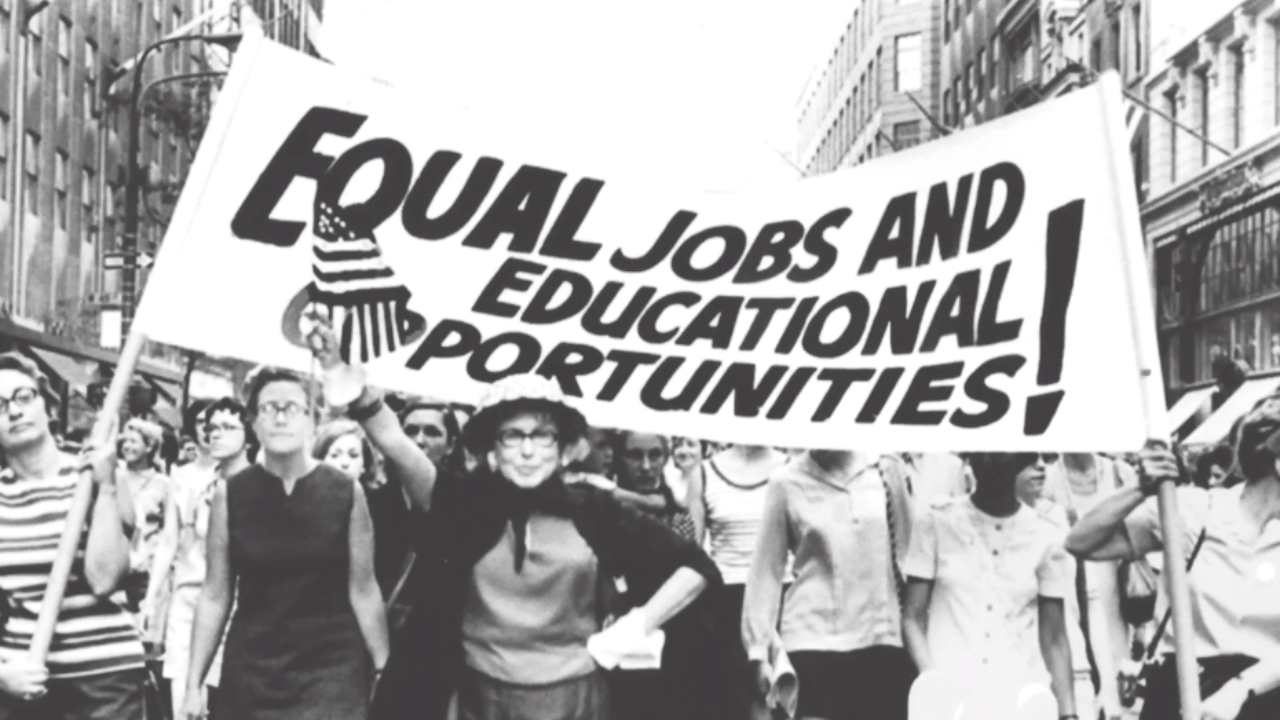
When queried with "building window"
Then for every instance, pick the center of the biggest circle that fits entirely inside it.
(968, 87)
(906, 134)
(907, 65)
(31, 172)
(60, 188)
(1095, 55)
(946, 18)
(1202, 89)
(1237, 96)
(4, 156)
(88, 200)
(1171, 98)
(1022, 61)
(64, 57)
(1135, 19)
(6, 17)
(1116, 42)
(91, 78)
(35, 52)
(979, 85)
(946, 108)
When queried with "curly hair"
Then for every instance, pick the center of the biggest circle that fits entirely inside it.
(263, 376)
(329, 434)
(21, 363)
(229, 405)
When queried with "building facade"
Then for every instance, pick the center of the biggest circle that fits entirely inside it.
(877, 89)
(1213, 214)
(65, 79)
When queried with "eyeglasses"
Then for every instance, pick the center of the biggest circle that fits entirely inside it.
(290, 410)
(22, 397)
(541, 439)
(635, 455)
(222, 428)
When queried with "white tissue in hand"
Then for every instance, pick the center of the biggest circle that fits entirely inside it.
(624, 644)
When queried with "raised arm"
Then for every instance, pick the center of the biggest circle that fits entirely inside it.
(406, 463)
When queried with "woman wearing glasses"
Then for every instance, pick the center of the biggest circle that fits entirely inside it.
(519, 565)
(94, 669)
(292, 539)
(986, 581)
(180, 561)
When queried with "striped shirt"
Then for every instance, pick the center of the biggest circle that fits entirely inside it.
(93, 636)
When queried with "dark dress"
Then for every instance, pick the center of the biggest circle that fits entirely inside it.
(294, 649)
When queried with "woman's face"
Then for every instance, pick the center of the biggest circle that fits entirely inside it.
(686, 452)
(25, 419)
(1029, 481)
(600, 458)
(427, 429)
(527, 449)
(133, 448)
(643, 457)
(282, 422)
(347, 455)
(226, 435)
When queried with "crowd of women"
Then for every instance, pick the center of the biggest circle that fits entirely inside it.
(407, 558)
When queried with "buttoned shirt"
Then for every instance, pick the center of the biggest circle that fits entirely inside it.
(844, 596)
(988, 574)
(1234, 587)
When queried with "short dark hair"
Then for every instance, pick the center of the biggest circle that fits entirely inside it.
(230, 405)
(191, 418)
(446, 412)
(264, 376)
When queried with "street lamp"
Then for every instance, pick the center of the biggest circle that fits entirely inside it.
(129, 237)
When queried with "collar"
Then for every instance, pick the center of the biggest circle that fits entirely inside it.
(862, 462)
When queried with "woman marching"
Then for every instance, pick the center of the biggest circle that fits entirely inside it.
(95, 668)
(181, 560)
(986, 583)
(292, 539)
(846, 518)
(521, 564)
(1235, 596)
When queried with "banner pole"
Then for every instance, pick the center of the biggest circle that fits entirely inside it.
(1151, 384)
(73, 529)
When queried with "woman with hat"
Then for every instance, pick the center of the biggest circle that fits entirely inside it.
(521, 563)
(986, 582)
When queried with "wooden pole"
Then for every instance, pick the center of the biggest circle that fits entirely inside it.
(73, 529)
(1175, 575)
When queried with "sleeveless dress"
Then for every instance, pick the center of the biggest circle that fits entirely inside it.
(294, 650)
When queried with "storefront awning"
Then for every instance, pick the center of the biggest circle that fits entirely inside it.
(1215, 429)
(69, 369)
(1187, 405)
(170, 390)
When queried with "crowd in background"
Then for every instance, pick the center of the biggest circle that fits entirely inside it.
(816, 584)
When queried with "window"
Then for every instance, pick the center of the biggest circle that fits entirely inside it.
(156, 7)
(35, 53)
(60, 188)
(946, 18)
(1117, 41)
(906, 134)
(1022, 61)
(968, 87)
(1171, 98)
(91, 78)
(946, 108)
(4, 156)
(1202, 89)
(1237, 96)
(907, 65)
(872, 81)
(6, 17)
(1095, 55)
(979, 85)
(64, 57)
(31, 172)
(89, 205)
(1135, 22)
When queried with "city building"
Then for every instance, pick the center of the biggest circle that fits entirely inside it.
(65, 82)
(1213, 212)
(877, 89)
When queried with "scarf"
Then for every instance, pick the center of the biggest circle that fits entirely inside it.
(516, 504)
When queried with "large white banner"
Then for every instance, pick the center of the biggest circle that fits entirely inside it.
(986, 291)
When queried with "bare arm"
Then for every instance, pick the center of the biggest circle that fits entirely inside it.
(1101, 534)
(682, 588)
(763, 594)
(362, 585)
(166, 550)
(915, 622)
(214, 606)
(1057, 652)
(406, 463)
(697, 507)
(106, 553)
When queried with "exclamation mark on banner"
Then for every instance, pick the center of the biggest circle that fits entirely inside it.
(1062, 251)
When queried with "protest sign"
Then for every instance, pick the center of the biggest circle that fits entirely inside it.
(983, 291)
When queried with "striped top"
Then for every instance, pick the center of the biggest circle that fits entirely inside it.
(733, 514)
(93, 636)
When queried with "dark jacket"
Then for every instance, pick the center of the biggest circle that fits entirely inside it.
(466, 520)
